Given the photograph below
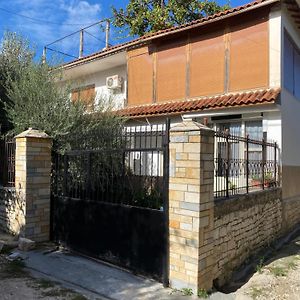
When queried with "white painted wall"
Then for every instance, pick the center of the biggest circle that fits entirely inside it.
(275, 47)
(290, 106)
(117, 97)
(272, 125)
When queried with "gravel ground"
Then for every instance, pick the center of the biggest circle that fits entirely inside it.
(277, 278)
(17, 284)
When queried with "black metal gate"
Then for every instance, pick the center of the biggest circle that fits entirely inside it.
(112, 203)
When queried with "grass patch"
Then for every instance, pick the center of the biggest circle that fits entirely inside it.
(256, 292)
(56, 292)
(292, 265)
(187, 292)
(45, 284)
(13, 269)
(278, 271)
(78, 297)
(259, 267)
(202, 293)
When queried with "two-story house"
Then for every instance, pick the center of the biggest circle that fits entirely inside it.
(237, 70)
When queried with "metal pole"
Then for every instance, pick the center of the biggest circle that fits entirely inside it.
(81, 43)
(227, 163)
(247, 164)
(263, 164)
(166, 203)
(275, 164)
(88, 177)
(65, 181)
(44, 55)
(107, 30)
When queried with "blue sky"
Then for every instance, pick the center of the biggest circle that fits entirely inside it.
(59, 18)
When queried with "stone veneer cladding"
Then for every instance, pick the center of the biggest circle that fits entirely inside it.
(191, 206)
(33, 169)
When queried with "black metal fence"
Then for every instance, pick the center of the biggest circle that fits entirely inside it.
(243, 165)
(7, 162)
(111, 203)
(129, 171)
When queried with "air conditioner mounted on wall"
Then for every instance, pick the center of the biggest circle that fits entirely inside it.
(114, 82)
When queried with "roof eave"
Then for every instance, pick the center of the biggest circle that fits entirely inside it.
(145, 40)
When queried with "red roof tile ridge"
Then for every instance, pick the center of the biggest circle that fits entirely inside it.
(241, 94)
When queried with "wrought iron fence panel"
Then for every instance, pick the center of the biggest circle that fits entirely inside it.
(7, 163)
(130, 171)
(243, 165)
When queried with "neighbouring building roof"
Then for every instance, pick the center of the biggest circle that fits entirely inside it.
(250, 98)
(151, 36)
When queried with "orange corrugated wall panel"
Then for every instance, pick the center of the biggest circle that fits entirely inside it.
(171, 71)
(207, 64)
(249, 55)
(140, 77)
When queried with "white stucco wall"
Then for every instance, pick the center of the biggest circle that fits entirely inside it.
(274, 47)
(118, 97)
(290, 106)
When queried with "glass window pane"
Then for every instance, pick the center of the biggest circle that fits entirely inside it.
(234, 128)
(254, 130)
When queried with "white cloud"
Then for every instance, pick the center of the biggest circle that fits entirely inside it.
(62, 12)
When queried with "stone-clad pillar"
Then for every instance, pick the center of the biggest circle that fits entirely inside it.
(191, 206)
(32, 173)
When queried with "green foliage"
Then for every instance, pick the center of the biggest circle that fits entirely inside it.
(202, 293)
(256, 292)
(187, 292)
(144, 16)
(33, 97)
(15, 55)
(278, 271)
(260, 265)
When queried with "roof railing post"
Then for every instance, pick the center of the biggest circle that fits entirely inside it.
(44, 55)
(81, 43)
(107, 32)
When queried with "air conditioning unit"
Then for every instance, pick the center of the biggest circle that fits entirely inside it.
(114, 82)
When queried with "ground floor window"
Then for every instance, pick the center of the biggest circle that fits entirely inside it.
(236, 151)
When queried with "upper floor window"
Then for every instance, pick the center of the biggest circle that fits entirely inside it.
(85, 94)
(291, 61)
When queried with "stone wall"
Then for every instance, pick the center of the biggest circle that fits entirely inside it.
(243, 225)
(290, 213)
(11, 211)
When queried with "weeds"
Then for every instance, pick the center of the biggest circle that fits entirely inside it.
(45, 284)
(187, 292)
(255, 292)
(292, 265)
(14, 269)
(56, 292)
(259, 267)
(78, 297)
(202, 293)
(278, 271)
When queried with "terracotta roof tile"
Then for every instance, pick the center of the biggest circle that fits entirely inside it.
(217, 102)
(161, 33)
